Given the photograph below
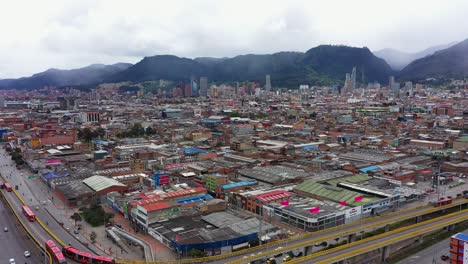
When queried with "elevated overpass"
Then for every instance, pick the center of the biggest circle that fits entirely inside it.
(383, 241)
(306, 241)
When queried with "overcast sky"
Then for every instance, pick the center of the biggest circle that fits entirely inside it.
(37, 35)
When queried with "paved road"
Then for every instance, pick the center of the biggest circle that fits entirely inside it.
(431, 254)
(14, 242)
(32, 192)
(365, 245)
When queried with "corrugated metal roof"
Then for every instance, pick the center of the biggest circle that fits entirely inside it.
(99, 183)
(332, 193)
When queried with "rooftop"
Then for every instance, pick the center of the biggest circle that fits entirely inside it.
(99, 183)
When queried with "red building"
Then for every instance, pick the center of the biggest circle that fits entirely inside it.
(459, 249)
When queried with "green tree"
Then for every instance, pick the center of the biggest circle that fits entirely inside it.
(150, 131)
(76, 217)
(137, 130)
(93, 236)
(196, 253)
(100, 132)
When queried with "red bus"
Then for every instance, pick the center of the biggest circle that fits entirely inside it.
(29, 213)
(8, 186)
(85, 257)
(443, 201)
(57, 255)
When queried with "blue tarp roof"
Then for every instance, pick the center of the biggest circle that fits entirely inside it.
(189, 150)
(209, 121)
(238, 184)
(371, 168)
(50, 175)
(310, 147)
(193, 199)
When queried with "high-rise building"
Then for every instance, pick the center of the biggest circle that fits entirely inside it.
(391, 81)
(194, 85)
(353, 78)
(267, 83)
(396, 89)
(203, 86)
(459, 249)
(188, 90)
(346, 87)
(2, 101)
(94, 96)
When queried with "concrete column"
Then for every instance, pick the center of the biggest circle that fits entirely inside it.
(419, 219)
(308, 250)
(387, 228)
(385, 253)
(420, 239)
(351, 238)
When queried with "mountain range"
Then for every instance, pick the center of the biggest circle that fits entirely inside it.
(443, 64)
(92, 74)
(399, 59)
(322, 65)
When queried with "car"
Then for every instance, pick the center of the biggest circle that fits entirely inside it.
(27, 254)
(108, 224)
(444, 257)
(287, 258)
(12, 261)
(44, 202)
(76, 231)
(118, 225)
(5, 229)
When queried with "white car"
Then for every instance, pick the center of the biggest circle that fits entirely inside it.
(5, 229)
(12, 261)
(27, 254)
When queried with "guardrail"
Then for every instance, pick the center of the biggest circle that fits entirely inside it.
(25, 227)
(381, 244)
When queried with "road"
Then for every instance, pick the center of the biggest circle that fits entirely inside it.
(430, 254)
(14, 176)
(329, 234)
(14, 242)
(372, 243)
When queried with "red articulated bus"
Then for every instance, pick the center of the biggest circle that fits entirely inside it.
(55, 252)
(443, 201)
(29, 213)
(8, 186)
(85, 257)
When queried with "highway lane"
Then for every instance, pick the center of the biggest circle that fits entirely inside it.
(431, 254)
(14, 242)
(16, 178)
(366, 245)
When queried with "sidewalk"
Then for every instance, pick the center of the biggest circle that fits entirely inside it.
(160, 251)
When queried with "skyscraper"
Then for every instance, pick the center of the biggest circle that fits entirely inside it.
(2, 101)
(391, 81)
(396, 89)
(203, 86)
(268, 83)
(347, 84)
(353, 79)
(194, 85)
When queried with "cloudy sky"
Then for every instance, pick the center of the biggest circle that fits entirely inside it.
(37, 35)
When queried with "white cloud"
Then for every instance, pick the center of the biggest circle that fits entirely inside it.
(37, 35)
